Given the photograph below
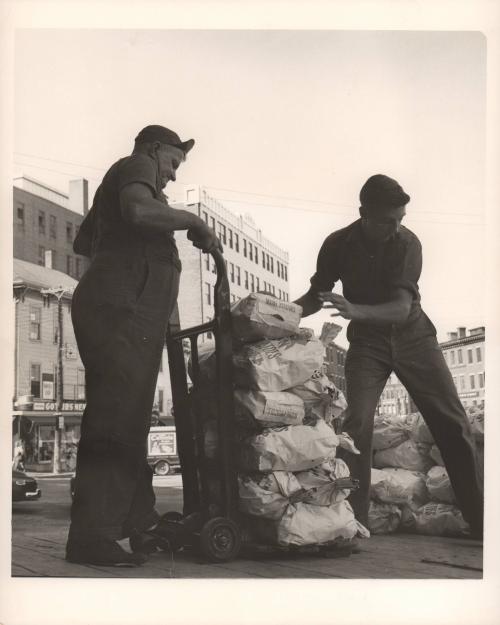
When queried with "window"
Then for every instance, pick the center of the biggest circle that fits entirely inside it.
(279, 293)
(238, 276)
(445, 356)
(245, 248)
(52, 226)
(455, 382)
(69, 232)
(222, 233)
(69, 265)
(256, 256)
(208, 293)
(246, 279)
(41, 222)
(212, 223)
(80, 384)
(236, 242)
(205, 217)
(252, 283)
(452, 357)
(214, 268)
(472, 380)
(274, 290)
(263, 259)
(230, 232)
(479, 356)
(462, 382)
(469, 356)
(207, 261)
(481, 379)
(267, 262)
(232, 272)
(41, 255)
(35, 323)
(78, 268)
(35, 382)
(286, 272)
(160, 400)
(278, 268)
(20, 216)
(460, 357)
(250, 251)
(272, 264)
(286, 297)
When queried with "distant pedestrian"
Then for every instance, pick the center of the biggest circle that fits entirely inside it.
(379, 262)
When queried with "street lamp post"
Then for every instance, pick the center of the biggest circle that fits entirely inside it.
(58, 293)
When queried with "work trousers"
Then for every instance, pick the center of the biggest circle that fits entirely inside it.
(120, 314)
(413, 353)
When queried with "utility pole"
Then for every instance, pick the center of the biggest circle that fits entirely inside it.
(58, 293)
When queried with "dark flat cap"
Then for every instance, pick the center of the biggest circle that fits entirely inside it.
(164, 135)
(380, 191)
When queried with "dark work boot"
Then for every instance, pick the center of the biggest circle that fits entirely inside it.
(102, 552)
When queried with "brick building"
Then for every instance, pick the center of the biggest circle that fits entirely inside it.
(37, 328)
(46, 222)
(464, 355)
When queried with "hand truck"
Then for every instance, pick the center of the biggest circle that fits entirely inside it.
(213, 525)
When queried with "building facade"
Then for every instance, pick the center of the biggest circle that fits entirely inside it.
(464, 355)
(46, 222)
(334, 365)
(37, 326)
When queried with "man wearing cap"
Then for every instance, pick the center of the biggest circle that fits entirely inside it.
(120, 311)
(379, 262)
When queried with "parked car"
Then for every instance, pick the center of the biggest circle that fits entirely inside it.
(24, 487)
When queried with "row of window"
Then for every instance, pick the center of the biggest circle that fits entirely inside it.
(71, 228)
(44, 385)
(461, 385)
(270, 288)
(249, 249)
(250, 281)
(459, 359)
(35, 324)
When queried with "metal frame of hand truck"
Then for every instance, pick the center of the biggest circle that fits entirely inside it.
(214, 527)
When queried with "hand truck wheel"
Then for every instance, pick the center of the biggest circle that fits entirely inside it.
(220, 539)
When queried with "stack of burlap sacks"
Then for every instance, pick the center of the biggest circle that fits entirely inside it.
(410, 487)
(292, 487)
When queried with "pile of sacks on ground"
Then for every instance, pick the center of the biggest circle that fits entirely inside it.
(410, 488)
(292, 487)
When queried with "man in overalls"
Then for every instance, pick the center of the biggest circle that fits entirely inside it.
(120, 311)
(379, 263)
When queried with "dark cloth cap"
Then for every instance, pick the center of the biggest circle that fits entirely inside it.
(163, 135)
(380, 191)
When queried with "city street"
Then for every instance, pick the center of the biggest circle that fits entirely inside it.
(40, 527)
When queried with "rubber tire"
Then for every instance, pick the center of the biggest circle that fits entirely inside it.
(220, 540)
(166, 469)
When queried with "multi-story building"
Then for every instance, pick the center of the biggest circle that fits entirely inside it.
(253, 262)
(334, 355)
(464, 355)
(37, 326)
(46, 222)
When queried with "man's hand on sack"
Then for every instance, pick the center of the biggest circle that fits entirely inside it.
(344, 307)
(204, 238)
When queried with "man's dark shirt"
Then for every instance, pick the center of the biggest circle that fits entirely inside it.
(370, 276)
(105, 224)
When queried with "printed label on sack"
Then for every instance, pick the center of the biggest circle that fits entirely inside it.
(277, 410)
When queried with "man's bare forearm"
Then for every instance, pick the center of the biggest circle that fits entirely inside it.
(152, 215)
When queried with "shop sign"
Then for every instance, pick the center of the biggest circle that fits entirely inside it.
(51, 406)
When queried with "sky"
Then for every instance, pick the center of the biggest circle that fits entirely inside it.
(288, 126)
